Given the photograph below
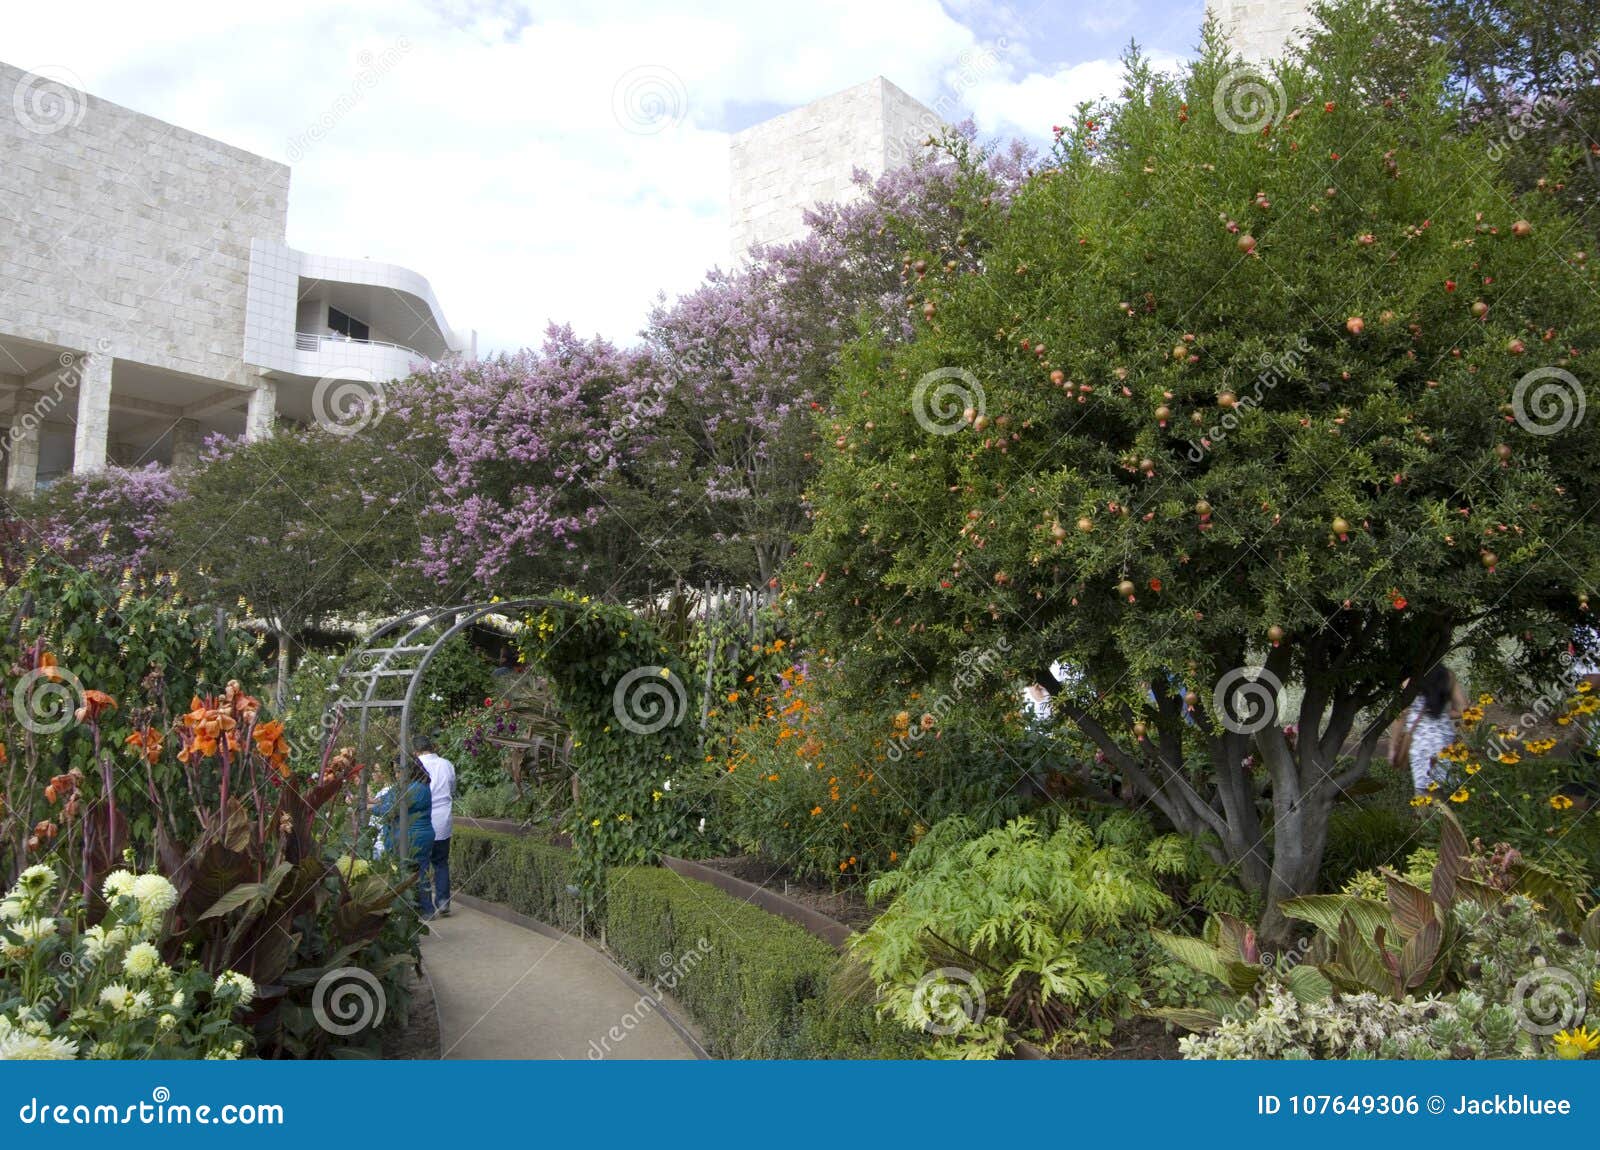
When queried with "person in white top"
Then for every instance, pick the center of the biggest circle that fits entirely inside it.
(442, 782)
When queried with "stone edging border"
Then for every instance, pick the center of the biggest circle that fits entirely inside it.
(506, 914)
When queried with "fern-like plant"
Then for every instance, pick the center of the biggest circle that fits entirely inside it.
(1015, 932)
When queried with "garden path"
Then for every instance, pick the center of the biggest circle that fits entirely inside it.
(505, 991)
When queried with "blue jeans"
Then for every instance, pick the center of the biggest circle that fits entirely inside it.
(436, 894)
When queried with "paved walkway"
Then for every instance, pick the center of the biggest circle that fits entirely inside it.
(505, 991)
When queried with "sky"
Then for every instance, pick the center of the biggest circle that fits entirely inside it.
(559, 161)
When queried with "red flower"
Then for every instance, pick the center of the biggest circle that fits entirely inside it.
(1399, 602)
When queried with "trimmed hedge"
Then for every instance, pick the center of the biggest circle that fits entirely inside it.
(757, 985)
(530, 877)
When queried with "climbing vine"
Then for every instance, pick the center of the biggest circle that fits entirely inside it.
(633, 712)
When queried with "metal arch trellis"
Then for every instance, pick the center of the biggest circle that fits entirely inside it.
(388, 653)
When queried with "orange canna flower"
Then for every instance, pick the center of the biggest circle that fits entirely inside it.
(93, 703)
(149, 742)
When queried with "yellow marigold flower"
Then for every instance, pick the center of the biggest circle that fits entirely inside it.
(1584, 687)
(1461, 795)
(1577, 1042)
(1560, 803)
(1485, 699)
(1509, 757)
(1473, 768)
(1422, 801)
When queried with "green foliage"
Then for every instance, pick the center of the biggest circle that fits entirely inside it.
(1363, 838)
(1526, 997)
(626, 699)
(840, 783)
(459, 678)
(746, 975)
(142, 642)
(1014, 931)
(1332, 406)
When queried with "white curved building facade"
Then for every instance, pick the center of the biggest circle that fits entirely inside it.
(147, 296)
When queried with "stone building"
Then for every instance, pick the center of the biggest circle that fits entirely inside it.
(783, 166)
(147, 296)
(1261, 29)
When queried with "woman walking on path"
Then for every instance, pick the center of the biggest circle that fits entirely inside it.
(1428, 726)
(406, 810)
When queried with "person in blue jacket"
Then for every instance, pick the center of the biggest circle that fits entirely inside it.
(406, 813)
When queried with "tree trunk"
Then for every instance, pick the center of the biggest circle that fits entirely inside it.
(1299, 835)
(285, 646)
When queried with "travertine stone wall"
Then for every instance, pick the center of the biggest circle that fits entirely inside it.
(784, 165)
(1260, 29)
(127, 236)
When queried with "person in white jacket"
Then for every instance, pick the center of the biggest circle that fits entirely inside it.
(442, 782)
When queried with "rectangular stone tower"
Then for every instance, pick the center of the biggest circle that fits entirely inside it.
(784, 165)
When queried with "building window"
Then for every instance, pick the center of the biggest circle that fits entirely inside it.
(347, 325)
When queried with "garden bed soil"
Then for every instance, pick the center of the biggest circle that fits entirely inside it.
(847, 905)
(418, 1039)
(1137, 1038)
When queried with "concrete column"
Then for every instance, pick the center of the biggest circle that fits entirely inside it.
(185, 445)
(94, 413)
(262, 410)
(22, 445)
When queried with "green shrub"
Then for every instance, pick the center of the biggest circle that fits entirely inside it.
(843, 1023)
(530, 877)
(743, 974)
(1017, 932)
(1364, 838)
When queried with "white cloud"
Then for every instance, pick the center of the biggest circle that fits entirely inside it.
(1031, 105)
(476, 141)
